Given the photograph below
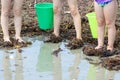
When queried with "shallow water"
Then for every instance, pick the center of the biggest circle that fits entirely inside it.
(36, 62)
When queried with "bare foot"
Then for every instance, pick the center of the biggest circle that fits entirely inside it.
(20, 39)
(7, 39)
(110, 48)
(98, 47)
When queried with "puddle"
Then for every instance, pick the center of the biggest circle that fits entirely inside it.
(37, 62)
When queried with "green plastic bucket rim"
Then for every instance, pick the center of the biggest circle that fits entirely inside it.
(92, 14)
(37, 5)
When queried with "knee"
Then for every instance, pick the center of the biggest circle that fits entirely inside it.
(109, 24)
(74, 11)
(17, 12)
(5, 13)
(101, 22)
(57, 10)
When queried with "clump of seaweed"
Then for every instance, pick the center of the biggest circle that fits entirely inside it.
(13, 44)
(111, 63)
(108, 59)
(102, 52)
(52, 38)
(75, 43)
(91, 51)
(55, 52)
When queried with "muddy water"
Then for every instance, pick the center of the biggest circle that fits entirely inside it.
(37, 62)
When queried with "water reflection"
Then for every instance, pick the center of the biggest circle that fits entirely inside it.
(6, 67)
(104, 74)
(40, 64)
(44, 63)
(74, 69)
(48, 62)
(6, 63)
(97, 72)
(110, 75)
(18, 66)
(57, 67)
(100, 73)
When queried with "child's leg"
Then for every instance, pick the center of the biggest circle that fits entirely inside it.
(76, 17)
(110, 17)
(101, 24)
(57, 16)
(5, 9)
(17, 9)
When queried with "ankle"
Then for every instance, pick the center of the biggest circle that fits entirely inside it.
(79, 38)
(17, 37)
(56, 34)
(110, 47)
(99, 46)
(6, 38)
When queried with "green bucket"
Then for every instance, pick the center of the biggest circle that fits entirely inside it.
(44, 12)
(93, 24)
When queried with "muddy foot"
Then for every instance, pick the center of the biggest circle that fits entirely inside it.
(7, 44)
(52, 38)
(108, 53)
(102, 52)
(18, 44)
(91, 51)
(75, 44)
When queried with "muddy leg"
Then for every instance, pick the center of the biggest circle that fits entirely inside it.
(17, 9)
(110, 17)
(101, 24)
(57, 16)
(76, 17)
(5, 9)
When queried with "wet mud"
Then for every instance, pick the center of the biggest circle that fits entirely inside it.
(52, 38)
(14, 44)
(108, 59)
(75, 44)
(91, 51)
(111, 63)
(102, 52)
